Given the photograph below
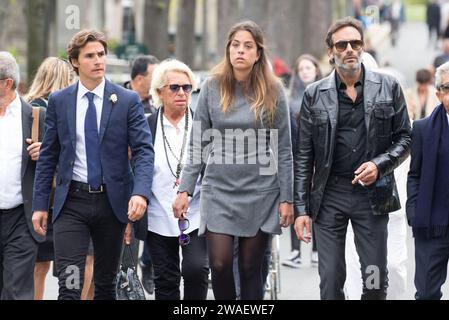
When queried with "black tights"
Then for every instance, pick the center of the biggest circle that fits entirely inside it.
(251, 254)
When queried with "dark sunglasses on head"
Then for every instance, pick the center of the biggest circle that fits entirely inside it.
(183, 224)
(175, 87)
(444, 88)
(343, 44)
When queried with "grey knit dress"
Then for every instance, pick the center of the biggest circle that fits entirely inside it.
(244, 180)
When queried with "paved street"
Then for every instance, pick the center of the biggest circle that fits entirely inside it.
(410, 54)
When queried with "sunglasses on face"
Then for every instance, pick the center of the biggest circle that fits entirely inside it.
(444, 88)
(175, 87)
(183, 224)
(343, 44)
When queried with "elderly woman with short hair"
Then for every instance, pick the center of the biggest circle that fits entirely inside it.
(172, 84)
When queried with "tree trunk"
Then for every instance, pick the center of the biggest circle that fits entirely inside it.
(283, 20)
(205, 38)
(52, 29)
(258, 11)
(185, 43)
(228, 15)
(319, 19)
(37, 12)
(303, 26)
(4, 10)
(156, 36)
(297, 17)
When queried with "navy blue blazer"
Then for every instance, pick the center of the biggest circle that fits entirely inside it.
(122, 124)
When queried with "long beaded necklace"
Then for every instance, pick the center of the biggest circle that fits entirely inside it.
(167, 144)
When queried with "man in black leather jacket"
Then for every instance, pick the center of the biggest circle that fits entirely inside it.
(353, 132)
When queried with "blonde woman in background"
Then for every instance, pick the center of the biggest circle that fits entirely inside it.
(53, 74)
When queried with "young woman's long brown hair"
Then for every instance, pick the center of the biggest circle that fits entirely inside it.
(262, 86)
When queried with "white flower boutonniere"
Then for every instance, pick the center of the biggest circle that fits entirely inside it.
(113, 98)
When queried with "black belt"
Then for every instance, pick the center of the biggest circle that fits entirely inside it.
(340, 179)
(6, 211)
(346, 182)
(86, 187)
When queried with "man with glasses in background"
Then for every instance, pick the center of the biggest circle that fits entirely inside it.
(354, 131)
(142, 69)
(141, 75)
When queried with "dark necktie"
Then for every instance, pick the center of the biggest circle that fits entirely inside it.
(92, 144)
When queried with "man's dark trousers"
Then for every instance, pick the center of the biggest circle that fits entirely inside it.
(431, 256)
(87, 214)
(343, 201)
(18, 251)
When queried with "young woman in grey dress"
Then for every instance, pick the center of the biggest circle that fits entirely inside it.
(241, 132)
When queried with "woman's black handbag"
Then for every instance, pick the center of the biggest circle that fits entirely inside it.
(128, 285)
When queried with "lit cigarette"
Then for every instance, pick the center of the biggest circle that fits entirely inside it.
(361, 183)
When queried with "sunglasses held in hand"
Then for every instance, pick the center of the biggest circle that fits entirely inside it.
(183, 224)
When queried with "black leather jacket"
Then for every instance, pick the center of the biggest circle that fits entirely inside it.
(388, 141)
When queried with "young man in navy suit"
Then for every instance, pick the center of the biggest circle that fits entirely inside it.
(98, 191)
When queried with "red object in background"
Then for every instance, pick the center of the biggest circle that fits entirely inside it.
(279, 67)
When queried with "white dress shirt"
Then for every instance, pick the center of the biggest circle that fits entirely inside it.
(160, 213)
(82, 103)
(11, 145)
